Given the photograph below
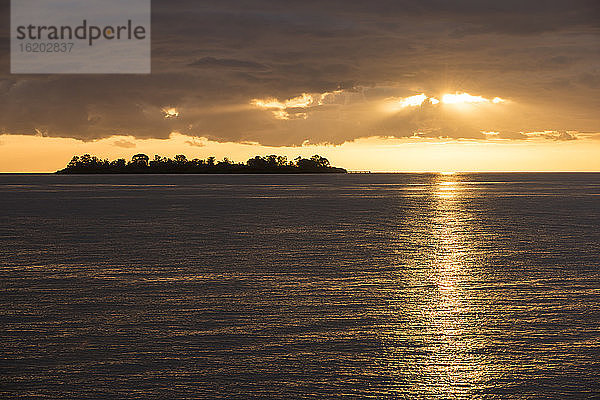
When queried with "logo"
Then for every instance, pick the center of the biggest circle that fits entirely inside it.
(80, 36)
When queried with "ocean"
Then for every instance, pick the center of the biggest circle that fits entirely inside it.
(414, 286)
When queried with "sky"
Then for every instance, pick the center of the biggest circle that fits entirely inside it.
(380, 85)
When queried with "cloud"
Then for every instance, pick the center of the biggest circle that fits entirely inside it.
(211, 61)
(126, 144)
(561, 136)
(195, 143)
(299, 106)
(565, 136)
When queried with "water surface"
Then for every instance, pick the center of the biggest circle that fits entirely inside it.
(300, 286)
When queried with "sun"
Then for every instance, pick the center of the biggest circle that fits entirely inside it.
(462, 98)
(458, 99)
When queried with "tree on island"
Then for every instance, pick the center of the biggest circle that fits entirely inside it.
(141, 164)
(140, 160)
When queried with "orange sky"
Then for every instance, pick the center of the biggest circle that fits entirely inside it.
(19, 153)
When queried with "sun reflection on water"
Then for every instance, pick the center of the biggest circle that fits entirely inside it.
(454, 364)
(442, 312)
(446, 189)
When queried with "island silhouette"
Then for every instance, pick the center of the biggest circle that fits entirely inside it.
(141, 164)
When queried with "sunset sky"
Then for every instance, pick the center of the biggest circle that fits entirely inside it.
(382, 85)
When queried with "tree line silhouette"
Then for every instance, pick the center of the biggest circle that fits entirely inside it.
(141, 164)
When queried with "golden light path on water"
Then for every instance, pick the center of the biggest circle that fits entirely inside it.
(439, 310)
(455, 363)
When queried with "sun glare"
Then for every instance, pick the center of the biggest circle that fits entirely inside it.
(462, 98)
(413, 101)
(396, 104)
(300, 106)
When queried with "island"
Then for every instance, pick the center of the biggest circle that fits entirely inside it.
(141, 164)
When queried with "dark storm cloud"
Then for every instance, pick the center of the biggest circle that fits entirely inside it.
(208, 62)
(211, 58)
